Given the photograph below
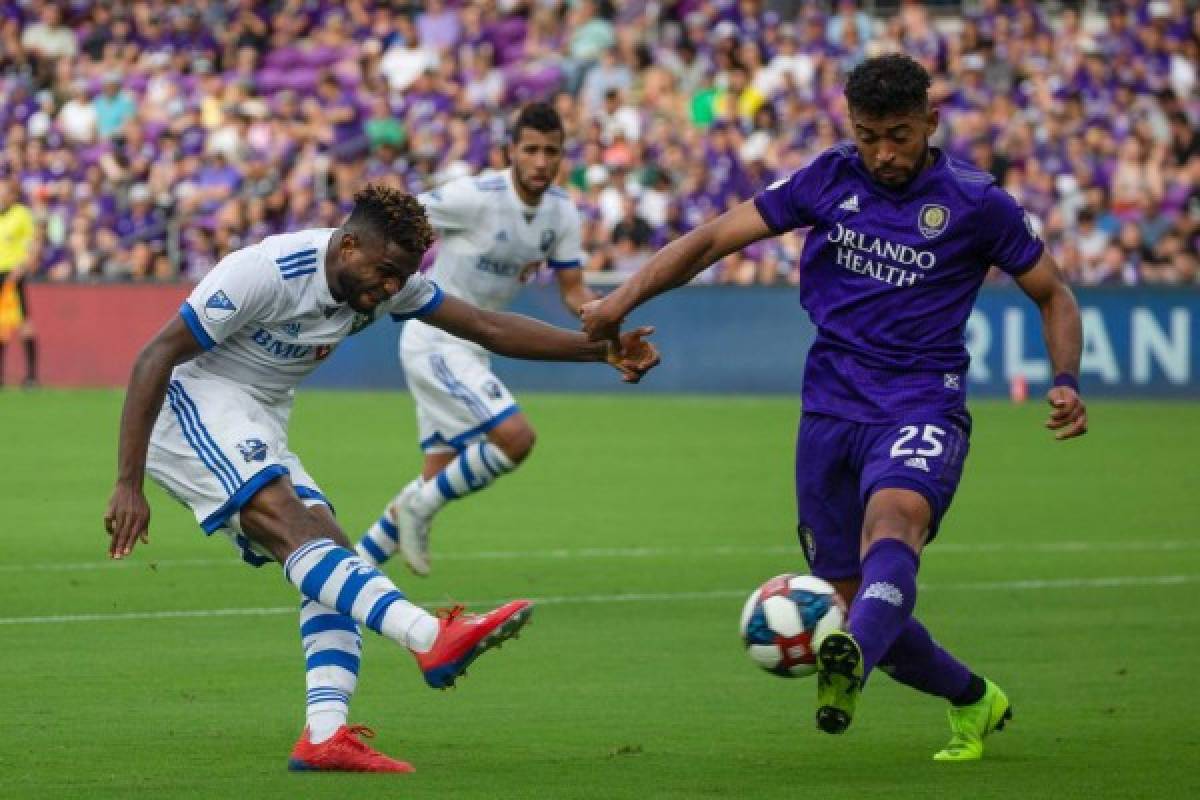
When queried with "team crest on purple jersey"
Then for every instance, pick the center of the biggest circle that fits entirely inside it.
(933, 220)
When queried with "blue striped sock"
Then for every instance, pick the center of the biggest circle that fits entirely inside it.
(338, 579)
(379, 543)
(475, 469)
(332, 651)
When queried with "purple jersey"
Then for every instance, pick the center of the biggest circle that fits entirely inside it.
(889, 278)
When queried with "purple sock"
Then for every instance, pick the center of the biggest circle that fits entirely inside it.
(885, 599)
(916, 660)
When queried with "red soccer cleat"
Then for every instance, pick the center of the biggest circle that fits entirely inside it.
(343, 752)
(462, 638)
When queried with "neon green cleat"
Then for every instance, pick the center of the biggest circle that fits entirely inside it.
(839, 681)
(969, 724)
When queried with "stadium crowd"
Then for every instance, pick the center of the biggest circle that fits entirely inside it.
(150, 137)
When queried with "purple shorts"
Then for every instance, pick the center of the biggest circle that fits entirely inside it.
(840, 464)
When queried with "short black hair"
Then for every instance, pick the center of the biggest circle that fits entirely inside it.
(392, 215)
(888, 85)
(539, 116)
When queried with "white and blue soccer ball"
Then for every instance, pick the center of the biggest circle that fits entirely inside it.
(785, 620)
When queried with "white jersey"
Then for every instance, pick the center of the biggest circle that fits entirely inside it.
(266, 317)
(489, 239)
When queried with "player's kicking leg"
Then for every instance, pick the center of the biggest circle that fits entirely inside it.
(447, 476)
(344, 590)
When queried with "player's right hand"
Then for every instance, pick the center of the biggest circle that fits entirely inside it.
(127, 519)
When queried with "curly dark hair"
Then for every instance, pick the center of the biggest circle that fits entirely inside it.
(539, 116)
(393, 215)
(888, 85)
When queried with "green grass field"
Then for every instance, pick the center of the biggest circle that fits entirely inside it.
(1066, 572)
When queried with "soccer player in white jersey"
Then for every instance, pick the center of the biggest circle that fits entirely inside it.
(227, 366)
(496, 230)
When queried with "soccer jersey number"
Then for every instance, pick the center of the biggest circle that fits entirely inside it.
(930, 435)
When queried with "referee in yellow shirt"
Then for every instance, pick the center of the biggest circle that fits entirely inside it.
(17, 236)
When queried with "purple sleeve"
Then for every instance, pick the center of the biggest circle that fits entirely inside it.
(789, 202)
(1009, 240)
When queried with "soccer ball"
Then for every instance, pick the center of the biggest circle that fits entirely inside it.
(785, 620)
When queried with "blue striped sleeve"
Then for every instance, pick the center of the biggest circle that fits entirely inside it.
(565, 264)
(430, 305)
(196, 326)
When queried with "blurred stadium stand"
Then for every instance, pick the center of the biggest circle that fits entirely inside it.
(150, 137)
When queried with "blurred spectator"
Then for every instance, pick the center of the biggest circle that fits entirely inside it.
(114, 107)
(77, 118)
(49, 39)
(143, 236)
(631, 227)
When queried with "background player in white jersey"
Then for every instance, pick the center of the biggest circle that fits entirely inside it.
(496, 230)
(227, 366)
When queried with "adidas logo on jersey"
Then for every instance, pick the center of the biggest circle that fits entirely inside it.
(887, 592)
(917, 462)
(850, 203)
(502, 236)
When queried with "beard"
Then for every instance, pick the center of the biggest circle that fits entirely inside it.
(899, 178)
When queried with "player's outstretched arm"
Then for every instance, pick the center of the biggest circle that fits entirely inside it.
(128, 516)
(519, 336)
(1063, 332)
(675, 265)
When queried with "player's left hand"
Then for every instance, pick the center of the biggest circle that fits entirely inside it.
(127, 519)
(1069, 415)
(636, 356)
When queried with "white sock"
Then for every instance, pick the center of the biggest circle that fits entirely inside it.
(332, 652)
(324, 723)
(337, 578)
(474, 469)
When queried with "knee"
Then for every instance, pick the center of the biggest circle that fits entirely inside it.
(897, 514)
(907, 530)
(517, 443)
(904, 530)
(279, 522)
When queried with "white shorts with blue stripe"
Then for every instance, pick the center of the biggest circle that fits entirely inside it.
(215, 445)
(458, 397)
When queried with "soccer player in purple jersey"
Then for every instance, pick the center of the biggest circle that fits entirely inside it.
(901, 239)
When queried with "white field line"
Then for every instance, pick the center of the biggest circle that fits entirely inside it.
(566, 554)
(1120, 581)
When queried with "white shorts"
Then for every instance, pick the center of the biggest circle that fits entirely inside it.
(214, 446)
(459, 399)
